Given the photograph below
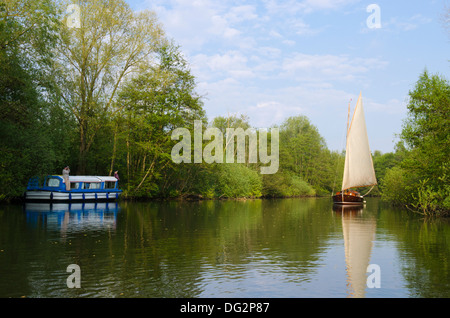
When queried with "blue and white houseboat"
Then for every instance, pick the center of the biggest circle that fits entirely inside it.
(82, 189)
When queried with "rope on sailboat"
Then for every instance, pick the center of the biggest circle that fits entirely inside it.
(369, 191)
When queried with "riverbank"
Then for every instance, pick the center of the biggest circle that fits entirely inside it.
(416, 207)
(186, 197)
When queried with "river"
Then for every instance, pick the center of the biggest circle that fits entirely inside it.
(280, 248)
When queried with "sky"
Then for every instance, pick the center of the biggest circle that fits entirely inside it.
(273, 59)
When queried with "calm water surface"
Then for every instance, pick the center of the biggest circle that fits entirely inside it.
(255, 248)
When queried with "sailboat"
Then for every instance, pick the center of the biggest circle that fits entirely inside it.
(358, 169)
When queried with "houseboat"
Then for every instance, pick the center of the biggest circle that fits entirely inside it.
(82, 189)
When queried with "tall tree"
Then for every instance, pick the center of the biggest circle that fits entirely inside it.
(27, 36)
(161, 98)
(102, 42)
(302, 148)
(426, 130)
(421, 180)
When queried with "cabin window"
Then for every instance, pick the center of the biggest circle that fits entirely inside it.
(53, 182)
(91, 185)
(74, 185)
(110, 184)
(95, 185)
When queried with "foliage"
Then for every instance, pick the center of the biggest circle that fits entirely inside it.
(110, 43)
(232, 121)
(158, 100)
(396, 178)
(286, 184)
(29, 141)
(235, 180)
(303, 154)
(426, 133)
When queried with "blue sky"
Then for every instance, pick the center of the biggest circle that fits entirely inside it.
(272, 59)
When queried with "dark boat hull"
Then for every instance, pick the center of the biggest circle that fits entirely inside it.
(348, 199)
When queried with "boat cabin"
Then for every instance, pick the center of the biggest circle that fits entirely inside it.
(82, 188)
(349, 192)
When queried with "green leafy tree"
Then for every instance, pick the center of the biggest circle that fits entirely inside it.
(426, 133)
(95, 55)
(303, 153)
(161, 98)
(28, 143)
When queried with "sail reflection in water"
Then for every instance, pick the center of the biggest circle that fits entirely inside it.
(72, 217)
(359, 234)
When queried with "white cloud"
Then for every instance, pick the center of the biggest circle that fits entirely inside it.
(313, 5)
(269, 113)
(241, 13)
(301, 28)
(197, 23)
(409, 24)
(218, 66)
(194, 23)
(304, 7)
(330, 67)
(392, 106)
(400, 24)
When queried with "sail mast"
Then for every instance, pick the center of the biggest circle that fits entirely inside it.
(346, 136)
(348, 119)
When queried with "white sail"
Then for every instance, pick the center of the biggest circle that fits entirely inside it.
(358, 170)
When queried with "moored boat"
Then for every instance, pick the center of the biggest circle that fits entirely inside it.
(82, 189)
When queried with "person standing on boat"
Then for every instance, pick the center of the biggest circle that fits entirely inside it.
(65, 173)
(116, 175)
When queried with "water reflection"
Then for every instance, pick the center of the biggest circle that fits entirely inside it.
(359, 233)
(253, 248)
(72, 217)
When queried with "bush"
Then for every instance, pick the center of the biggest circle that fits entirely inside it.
(426, 200)
(401, 187)
(235, 180)
(283, 184)
(395, 187)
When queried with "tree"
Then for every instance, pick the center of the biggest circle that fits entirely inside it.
(95, 56)
(303, 152)
(383, 162)
(231, 121)
(156, 101)
(426, 133)
(426, 130)
(27, 147)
